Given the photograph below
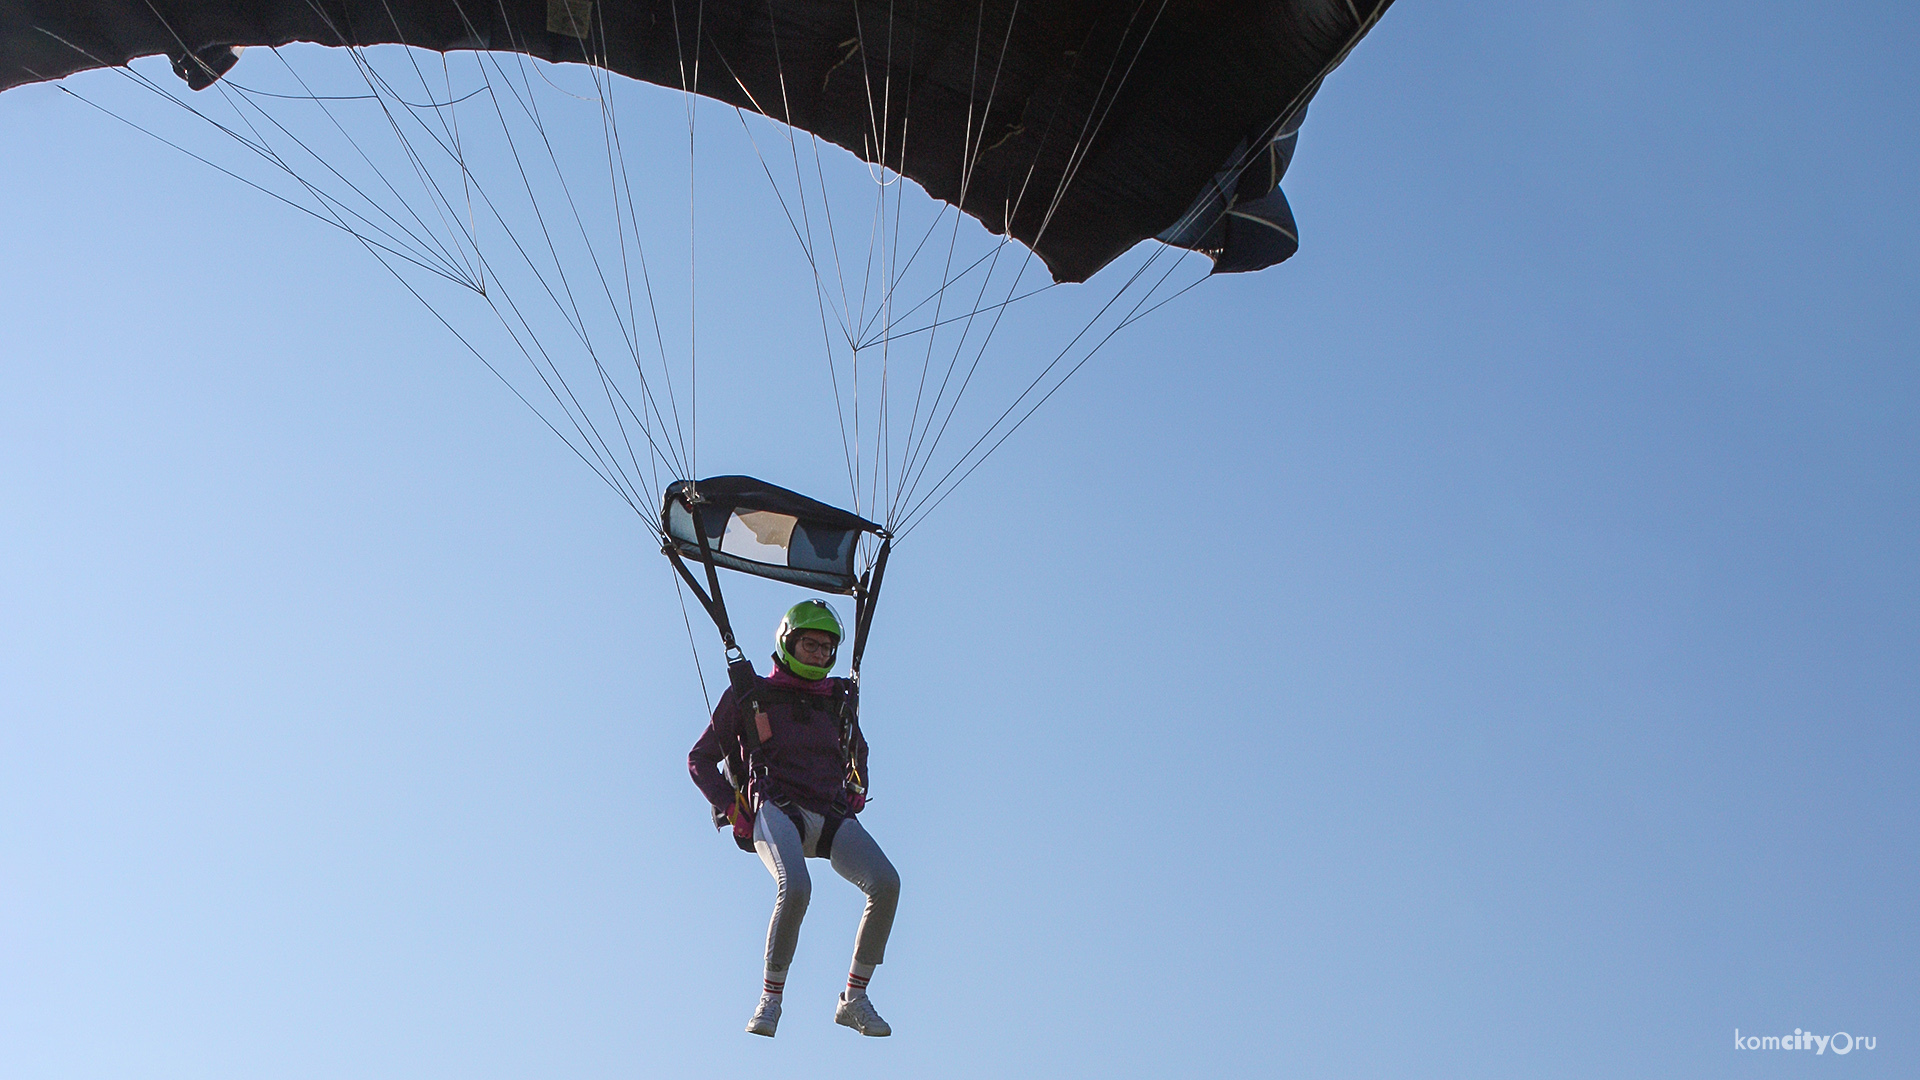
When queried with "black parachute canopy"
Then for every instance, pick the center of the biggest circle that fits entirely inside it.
(1078, 127)
(765, 530)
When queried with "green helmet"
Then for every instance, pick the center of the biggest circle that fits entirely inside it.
(805, 615)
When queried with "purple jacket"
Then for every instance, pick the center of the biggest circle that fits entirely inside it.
(802, 758)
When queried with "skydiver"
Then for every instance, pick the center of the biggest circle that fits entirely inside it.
(801, 790)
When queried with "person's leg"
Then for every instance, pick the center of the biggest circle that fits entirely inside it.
(778, 844)
(858, 859)
(779, 847)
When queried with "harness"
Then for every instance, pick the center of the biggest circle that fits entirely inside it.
(756, 732)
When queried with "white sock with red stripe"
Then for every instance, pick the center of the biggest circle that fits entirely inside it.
(776, 983)
(858, 978)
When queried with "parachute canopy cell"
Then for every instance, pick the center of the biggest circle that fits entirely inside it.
(1079, 127)
(760, 529)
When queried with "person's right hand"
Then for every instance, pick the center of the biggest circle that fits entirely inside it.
(742, 823)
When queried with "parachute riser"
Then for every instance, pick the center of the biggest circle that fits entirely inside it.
(740, 674)
(865, 595)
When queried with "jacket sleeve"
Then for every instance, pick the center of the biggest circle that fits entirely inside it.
(703, 761)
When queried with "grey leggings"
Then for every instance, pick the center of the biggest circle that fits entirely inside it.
(854, 856)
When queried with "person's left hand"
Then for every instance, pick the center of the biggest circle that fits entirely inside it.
(856, 802)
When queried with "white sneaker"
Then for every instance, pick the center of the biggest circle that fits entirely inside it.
(857, 1013)
(766, 1017)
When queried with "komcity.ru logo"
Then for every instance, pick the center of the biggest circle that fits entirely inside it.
(1839, 1042)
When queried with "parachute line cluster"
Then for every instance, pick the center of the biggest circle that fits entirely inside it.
(468, 158)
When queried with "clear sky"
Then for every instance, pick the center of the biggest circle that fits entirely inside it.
(1485, 645)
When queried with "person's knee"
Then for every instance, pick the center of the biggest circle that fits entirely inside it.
(794, 893)
(886, 883)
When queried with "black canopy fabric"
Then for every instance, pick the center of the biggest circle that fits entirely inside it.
(1079, 127)
(1241, 217)
(765, 530)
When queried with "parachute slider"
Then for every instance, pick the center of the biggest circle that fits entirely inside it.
(757, 528)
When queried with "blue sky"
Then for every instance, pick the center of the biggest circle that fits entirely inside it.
(1495, 656)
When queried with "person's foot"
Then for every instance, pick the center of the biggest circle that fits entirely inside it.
(767, 1016)
(857, 1013)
